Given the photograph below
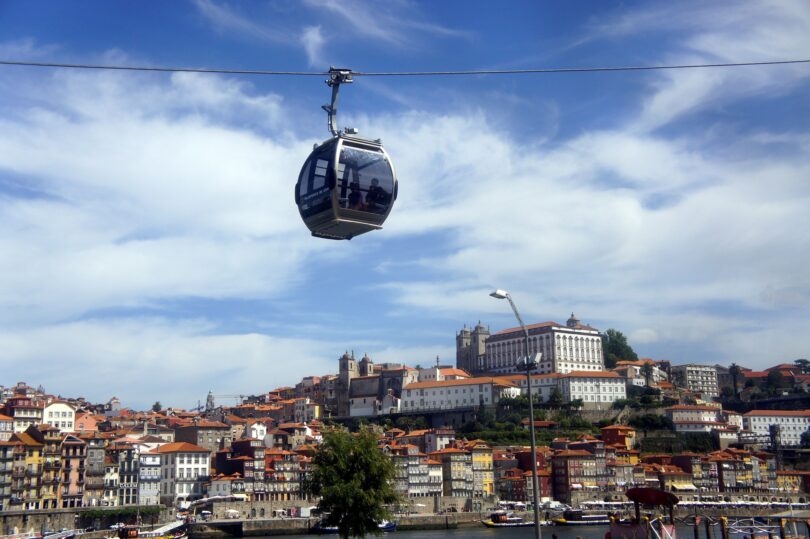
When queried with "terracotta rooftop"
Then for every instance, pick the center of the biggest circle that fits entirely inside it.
(461, 382)
(783, 413)
(590, 374)
(181, 447)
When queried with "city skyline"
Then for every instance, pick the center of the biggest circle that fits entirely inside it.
(150, 240)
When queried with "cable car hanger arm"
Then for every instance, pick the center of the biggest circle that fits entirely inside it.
(337, 76)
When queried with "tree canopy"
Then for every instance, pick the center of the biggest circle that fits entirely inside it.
(354, 481)
(157, 406)
(616, 348)
(804, 365)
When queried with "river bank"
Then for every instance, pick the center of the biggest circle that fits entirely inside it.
(225, 529)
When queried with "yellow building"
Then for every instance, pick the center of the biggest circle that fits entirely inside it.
(26, 475)
(790, 481)
(482, 467)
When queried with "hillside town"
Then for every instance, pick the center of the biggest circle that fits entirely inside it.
(607, 423)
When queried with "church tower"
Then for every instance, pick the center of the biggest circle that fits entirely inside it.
(348, 369)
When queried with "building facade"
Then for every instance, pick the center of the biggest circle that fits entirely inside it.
(700, 379)
(456, 394)
(563, 348)
(792, 424)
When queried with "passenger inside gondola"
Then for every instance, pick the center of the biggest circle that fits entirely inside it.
(355, 196)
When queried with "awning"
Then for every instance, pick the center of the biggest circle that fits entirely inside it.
(576, 486)
(684, 486)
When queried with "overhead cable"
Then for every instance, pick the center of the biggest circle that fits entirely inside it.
(396, 73)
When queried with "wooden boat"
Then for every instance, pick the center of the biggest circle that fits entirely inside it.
(323, 528)
(577, 517)
(504, 519)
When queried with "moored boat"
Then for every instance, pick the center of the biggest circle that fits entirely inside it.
(577, 517)
(323, 528)
(505, 519)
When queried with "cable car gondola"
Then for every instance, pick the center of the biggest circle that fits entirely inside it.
(347, 185)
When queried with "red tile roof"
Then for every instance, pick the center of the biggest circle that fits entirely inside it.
(461, 382)
(181, 447)
(590, 374)
(777, 413)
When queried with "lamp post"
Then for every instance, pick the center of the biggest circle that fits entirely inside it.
(529, 365)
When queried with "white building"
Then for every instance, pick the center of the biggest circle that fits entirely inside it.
(454, 394)
(61, 415)
(149, 478)
(227, 485)
(183, 468)
(572, 347)
(792, 424)
(438, 374)
(700, 379)
(6, 427)
(542, 384)
(255, 429)
(597, 390)
(305, 410)
(632, 372)
(694, 418)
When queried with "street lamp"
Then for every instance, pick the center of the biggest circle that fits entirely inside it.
(529, 364)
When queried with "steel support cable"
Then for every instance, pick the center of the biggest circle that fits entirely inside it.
(470, 72)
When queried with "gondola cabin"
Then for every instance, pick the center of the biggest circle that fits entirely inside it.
(346, 187)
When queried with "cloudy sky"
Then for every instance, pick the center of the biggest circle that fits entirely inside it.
(150, 247)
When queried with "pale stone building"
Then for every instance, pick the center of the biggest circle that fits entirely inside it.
(563, 348)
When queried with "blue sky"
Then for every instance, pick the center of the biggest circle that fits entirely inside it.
(150, 247)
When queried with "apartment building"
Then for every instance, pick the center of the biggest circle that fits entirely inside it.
(183, 468)
(700, 379)
(7, 450)
(6, 427)
(282, 475)
(94, 473)
(696, 418)
(792, 424)
(572, 470)
(212, 435)
(482, 468)
(149, 478)
(61, 415)
(26, 474)
(596, 390)
(457, 473)
(25, 412)
(73, 458)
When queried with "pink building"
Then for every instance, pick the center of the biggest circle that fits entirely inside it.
(74, 453)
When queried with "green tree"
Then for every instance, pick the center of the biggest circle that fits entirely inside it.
(576, 404)
(805, 440)
(804, 365)
(647, 372)
(157, 407)
(616, 348)
(353, 479)
(735, 372)
(556, 398)
(775, 382)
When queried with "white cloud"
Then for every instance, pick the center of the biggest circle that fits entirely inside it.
(148, 191)
(395, 23)
(313, 42)
(148, 359)
(716, 33)
(226, 19)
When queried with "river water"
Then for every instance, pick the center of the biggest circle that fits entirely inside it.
(561, 532)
